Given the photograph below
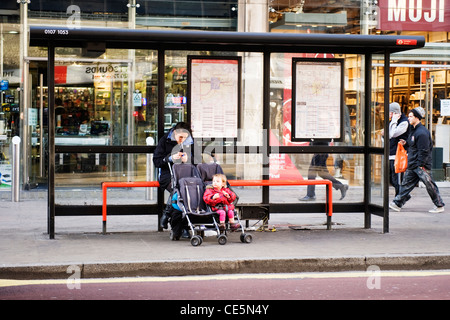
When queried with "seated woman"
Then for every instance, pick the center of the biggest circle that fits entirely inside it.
(174, 147)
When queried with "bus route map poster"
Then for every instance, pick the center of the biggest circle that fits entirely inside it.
(317, 97)
(214, 96)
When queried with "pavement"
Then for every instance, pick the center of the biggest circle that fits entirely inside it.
(299, 242)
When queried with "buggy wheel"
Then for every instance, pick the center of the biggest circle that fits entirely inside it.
(222, 239)
(196, 240)
(246, 238)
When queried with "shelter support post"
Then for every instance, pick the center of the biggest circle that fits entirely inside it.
(385, 182)
(51, 139)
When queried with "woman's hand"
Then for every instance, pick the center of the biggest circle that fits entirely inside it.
(180, 155)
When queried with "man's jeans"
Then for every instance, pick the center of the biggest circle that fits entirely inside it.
(410, 180)
(324, 174)
(395, 178)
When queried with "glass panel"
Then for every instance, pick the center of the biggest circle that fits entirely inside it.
(191, 14)
(9, 127)
(281, 92)
(78, 177)
(377, 110)
(145, 97)
(207, 15)
(415, 83)
(376, 179)
(10, 96)
(175, 88)
(346, 169)
(354, 100)
(108, 100)
(243, 167)
(175, 98)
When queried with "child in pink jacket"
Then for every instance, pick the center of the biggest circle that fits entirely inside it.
(220, 198)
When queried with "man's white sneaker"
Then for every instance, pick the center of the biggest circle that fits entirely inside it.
(437, 210)
(395, 207)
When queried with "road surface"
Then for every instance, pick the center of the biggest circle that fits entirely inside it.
(261, 288)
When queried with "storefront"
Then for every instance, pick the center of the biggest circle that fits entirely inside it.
(421, 77)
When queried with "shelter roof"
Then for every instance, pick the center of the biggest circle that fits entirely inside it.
(221, 40)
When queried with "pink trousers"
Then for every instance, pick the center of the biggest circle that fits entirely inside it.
(222, 214)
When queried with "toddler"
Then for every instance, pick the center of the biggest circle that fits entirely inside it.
(220, 199)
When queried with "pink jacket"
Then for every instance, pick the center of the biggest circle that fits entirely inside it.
(215, 203)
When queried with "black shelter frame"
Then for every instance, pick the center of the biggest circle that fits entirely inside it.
(266, 43)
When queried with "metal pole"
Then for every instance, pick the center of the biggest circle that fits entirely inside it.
(427, 103)
(24, 66)
(15, 181)
(385, 180)
(161, 86)
(266, 124)
(51, 140)
(430, 112)
(150, 169)
(41, 127)
(131, 83)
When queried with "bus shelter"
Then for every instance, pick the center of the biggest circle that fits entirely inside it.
(234, 46)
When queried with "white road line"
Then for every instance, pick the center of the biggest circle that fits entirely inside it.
(306, 275)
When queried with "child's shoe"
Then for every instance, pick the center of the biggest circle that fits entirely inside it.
(234, 226)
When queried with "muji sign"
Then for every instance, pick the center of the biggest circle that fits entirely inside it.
(414, 15)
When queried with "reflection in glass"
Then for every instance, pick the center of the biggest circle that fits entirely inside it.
(295, 166)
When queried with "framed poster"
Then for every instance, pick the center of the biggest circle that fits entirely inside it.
(317, 99)
(445, 107)
(214, 96)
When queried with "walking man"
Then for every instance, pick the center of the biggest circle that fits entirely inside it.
(419, 164)
(318, 166)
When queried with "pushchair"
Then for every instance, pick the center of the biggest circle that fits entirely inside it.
(207, 171)
(187, 199)
(177, 220)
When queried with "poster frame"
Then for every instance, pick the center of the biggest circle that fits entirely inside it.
(318, 61)
(190, 98)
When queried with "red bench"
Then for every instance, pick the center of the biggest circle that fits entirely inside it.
(233, 183)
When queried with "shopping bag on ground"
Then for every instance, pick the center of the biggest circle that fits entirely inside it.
(401, 159)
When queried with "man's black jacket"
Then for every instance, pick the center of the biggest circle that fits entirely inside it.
(420, 146)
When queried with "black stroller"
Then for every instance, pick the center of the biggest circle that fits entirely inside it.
(187, 198)
(177, 220)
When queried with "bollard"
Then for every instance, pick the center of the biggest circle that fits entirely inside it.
(15, 181)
